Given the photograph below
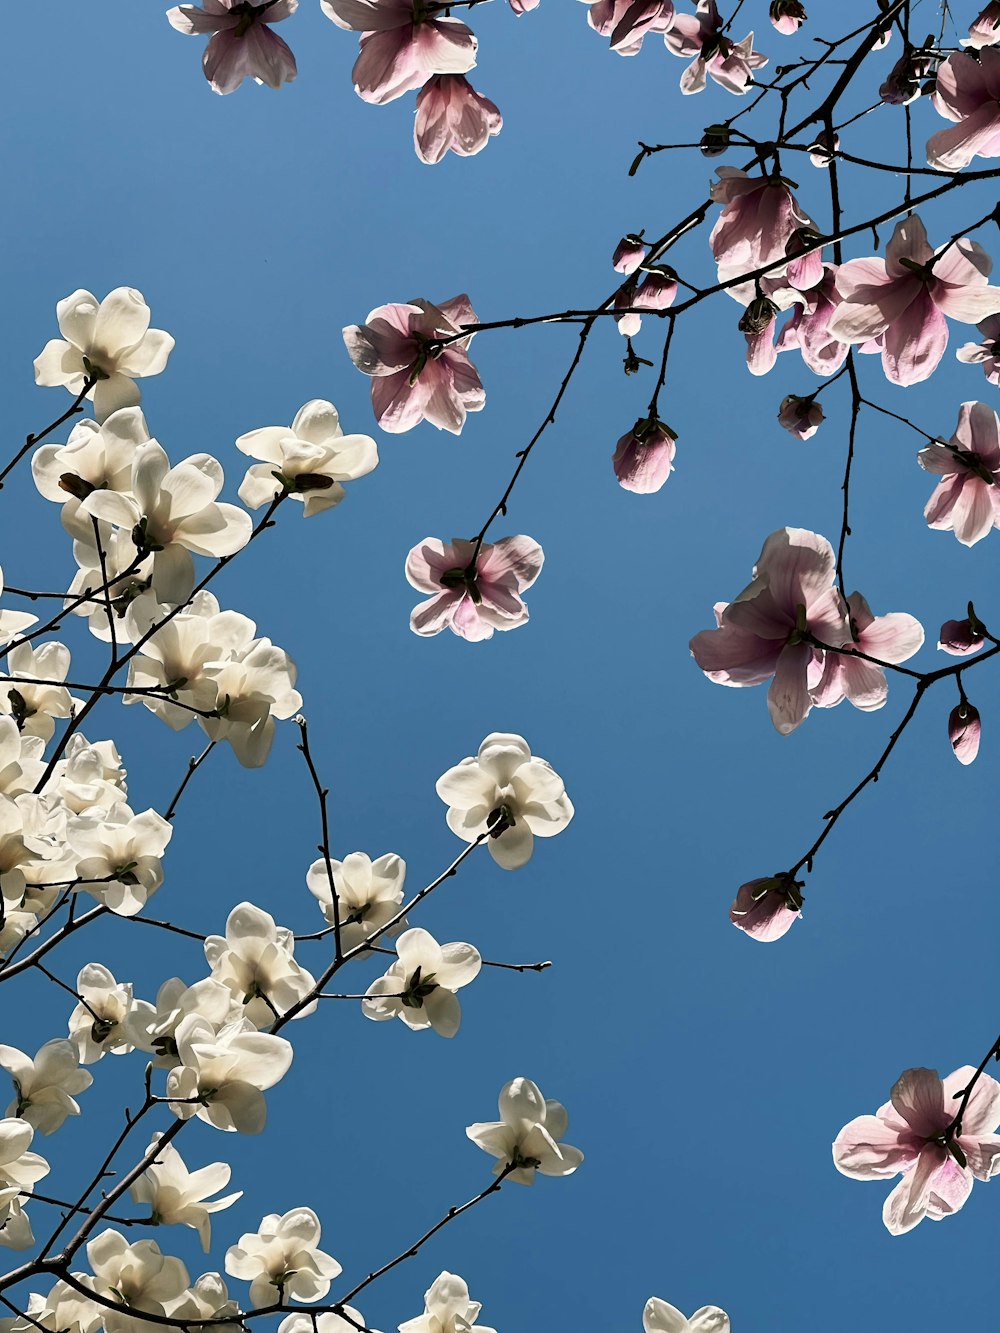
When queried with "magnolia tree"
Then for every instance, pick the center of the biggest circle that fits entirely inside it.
(862, 297)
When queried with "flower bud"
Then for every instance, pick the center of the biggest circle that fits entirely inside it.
(787, 16)
(644, 457)
(766, 908)
(658, 289)
(715, 141)
(758, 315)
(821, 152)
(629, 253)
(958, 637)
(629, 324)
(964, 730)
(801, 417)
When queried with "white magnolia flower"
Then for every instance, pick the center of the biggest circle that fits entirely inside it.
(660, 1317)
(447, 1309)
(255, 962)
(313, 456)
(137, 1275)
(13, 622)
(420, 985)
(98, 1024)
(327, 1322)
(156, 1032)
(125, 845)
(19, 1168)
(89, 778)
(21, 852)
(63, 1309)
(16, 1232)
(176, 1195)
(527, 1135)
(506, 791)
(282, 1261)
(113, 565)
(44, 1086)
(222, 1074)
(34, 706)
(368, 894)
(208, 1298)
(112, 340)
(21, 763)
(96, 457)
(252, 689)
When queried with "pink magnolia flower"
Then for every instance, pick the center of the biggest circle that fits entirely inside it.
(414, 376)
(658, 289)
(967, 499)
(242, 45)
(964, 731)
(765, 909)
(801, 417)
(630, 322)
(451, 114)
(764, 634)
(985, 30)
(472, 600)
(822, 151)
(891, 638)
(629, 254)
(986, 353)
(400, 46)
(759, 323)
(626, 22)
(903, 84)
(760, 215)
(967, 91)
(731, 64)
(960, 637)
(787, 16)
(809, 327)
(913, 1135)
(644, 458)
(906, 296)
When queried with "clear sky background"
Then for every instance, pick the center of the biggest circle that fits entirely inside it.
(705, 1075)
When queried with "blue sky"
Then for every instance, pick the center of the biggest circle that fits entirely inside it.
(705, 1075)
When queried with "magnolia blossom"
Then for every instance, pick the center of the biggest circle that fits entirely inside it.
(21, 763)
(368, 893)
(452, 115)
(629, 253)
(253, 688)
(905, 297)
(122, 849)
(905, 78)
(13, 622)
(19, 1168)
(255, 962)
(965, 731)
(328, 1321)
(986, 353)
(766, 631)
(172, 512)
(402, 45)
(98, 1024)
(96, 457)
(915, 1135)
(156, 1032)
(891, 638)
(966, 500)
(223, 1073)
(967, 91)
(16, 1232)
(109, 341)
(808, 330)
(960, 637)
(174, 1194)
(731, 64)
(508, 793)
(472, 596)
(44, 1087)
(823, 149)
(112, 573)
(242, 45)
(282, 1260)
(765, 909)
(308, 460)
(759, 218)
(644, 457)
(415, 376)
(37, 696)
(788, 17)
(447, 1309)
(527, 1137)
(626, 22)
(985, 30)
(801, 417)
(138, 1276)
(660, 1317)
(208, 1298)
(420, 985)
(62, 1308)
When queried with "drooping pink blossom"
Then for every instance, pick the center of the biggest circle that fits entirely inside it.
(629, 321)
(415, 377)
(470, 597)
(891, 638)
(801, 417)
(402, 45)
(700, 35)
(765, 909)
(821, 152)
(765, 632)
(626, 22)
(760, 215)
(657, 290)
(985, 30)
(787, 16)
(960, 637)
(759, 324)
(629, 253)
(964, 731)
(967, 91)
(242, 45)
(452, 115)
(986, 353)
(808, 330)
(903, 84)
(644, 458)
(906, 296)
(914, 1135)
(967, 499)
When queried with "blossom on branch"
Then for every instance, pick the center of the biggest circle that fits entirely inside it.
(241, 45)
(223, 1073)
(765, 909)
(101, 1021)
(787, 16)
(644, 457)
(967, 91)
(447, 1309)
(282, 1260)
(986, 353)
(960, 637)
(891, 638)
(19, 1168)
(43, 1087)
(175, 1195)
(965, 731)
(966, 500)
(419, 987)
(255, 962)
(626, 22)
(368, 894)
(661, 1317)
(801, 417)
(119, 856)
(701, 35)
(472, 596)
(138, 1276)
(402, 45)
(452, 115)
(528, 1136)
